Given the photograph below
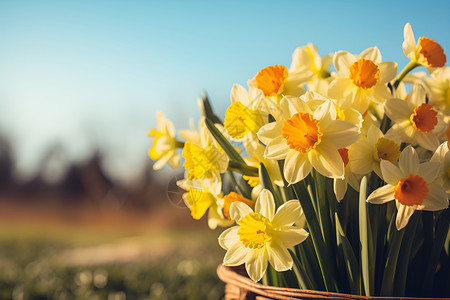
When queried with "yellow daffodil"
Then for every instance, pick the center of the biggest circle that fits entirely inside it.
(164, 148)
(202, 197)
(276, 81)
(246, 114)
(426, 52)
(308, 61)
(412, 185)
(439, 86)
(362, 79)
(262, 236)
(367, 153)
(307, 139)
(204, 162)
(416, 122)
(442, 156)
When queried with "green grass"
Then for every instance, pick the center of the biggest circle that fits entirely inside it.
(39, 262)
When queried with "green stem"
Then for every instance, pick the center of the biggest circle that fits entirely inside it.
(409, 67)
(242, 168)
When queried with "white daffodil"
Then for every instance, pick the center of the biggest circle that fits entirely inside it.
(276, 81)
(412, 185)
(362, 79)
(415, 121)
(271, 166)
(202, 197)
(246, 114)
(442, 156)
(204, 162)
(307, 60)
(426, 52)
(307, 139)
(367, 153)
(439, 86)
(164, 148)
(262, 235)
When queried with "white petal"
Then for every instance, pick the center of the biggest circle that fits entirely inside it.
(236, 255)
(277, 149)
(427, 140)
(391, 173)
(342, 61)
(409, 43)
(265, 204)
(409, 161)
(341, 133)
(327, 160)
(238, 210)
(382, 195)
(229, 237)
(296, 166)
(436, 199)
(279, 257)
(340, 188)
(397, 110)
(373, 135)
(239, 93)
(372, 54)
(291, 235)
(403, 214)
(417, 96)
(388, 70)
(429, 171)
(256, 263)
(287, 214)
(269, 132)
(291, 105)
(161, 162)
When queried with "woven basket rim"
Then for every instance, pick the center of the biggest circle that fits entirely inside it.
(230, 276)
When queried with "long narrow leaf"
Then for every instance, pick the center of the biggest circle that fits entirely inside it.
(223, 142)
(302, 276)
(364, 239)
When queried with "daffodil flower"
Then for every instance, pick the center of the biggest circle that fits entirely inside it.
(307, 139)
(415, 121)
(367, 153)
(164, 148)
(362, 79)
(202, 197)
(412, 185)
(205, 161)
(307, 60)
(245, 116)
(262, 236)
(276, 81)
(340, 185)
(426, 52)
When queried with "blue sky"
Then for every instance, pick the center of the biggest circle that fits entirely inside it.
(89, 74)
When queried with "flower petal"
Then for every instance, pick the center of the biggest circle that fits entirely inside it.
(342, 61)
(238, 210)
(239, 93)
(391, 173)
(269, 132)
(277, 149)
(287, 214)
(236, 255)
(279, 257)
(403, 214)
(265, 204)
(409, 161)
(341, 133)
(256, 263)
(382, 195)
(296, 166)
(327, 160)
(436, 199)
(409, 44)
(429, 171)
(228, 238)
(291, 235)
(397, 110)
(372, 54)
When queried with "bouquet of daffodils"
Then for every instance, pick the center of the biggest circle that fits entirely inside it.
(334, 181)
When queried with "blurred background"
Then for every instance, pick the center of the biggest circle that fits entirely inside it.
(82, 213)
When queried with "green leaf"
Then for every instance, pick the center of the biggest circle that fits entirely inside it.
(364, 239)
(349, 258)
(267, 184)
(302, 276)
(224, 143)
(208, 111)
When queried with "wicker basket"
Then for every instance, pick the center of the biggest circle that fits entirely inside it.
(240, 287)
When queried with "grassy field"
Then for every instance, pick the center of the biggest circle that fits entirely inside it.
(66, 262)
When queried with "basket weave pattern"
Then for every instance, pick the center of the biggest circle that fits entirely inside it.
(240, 287)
